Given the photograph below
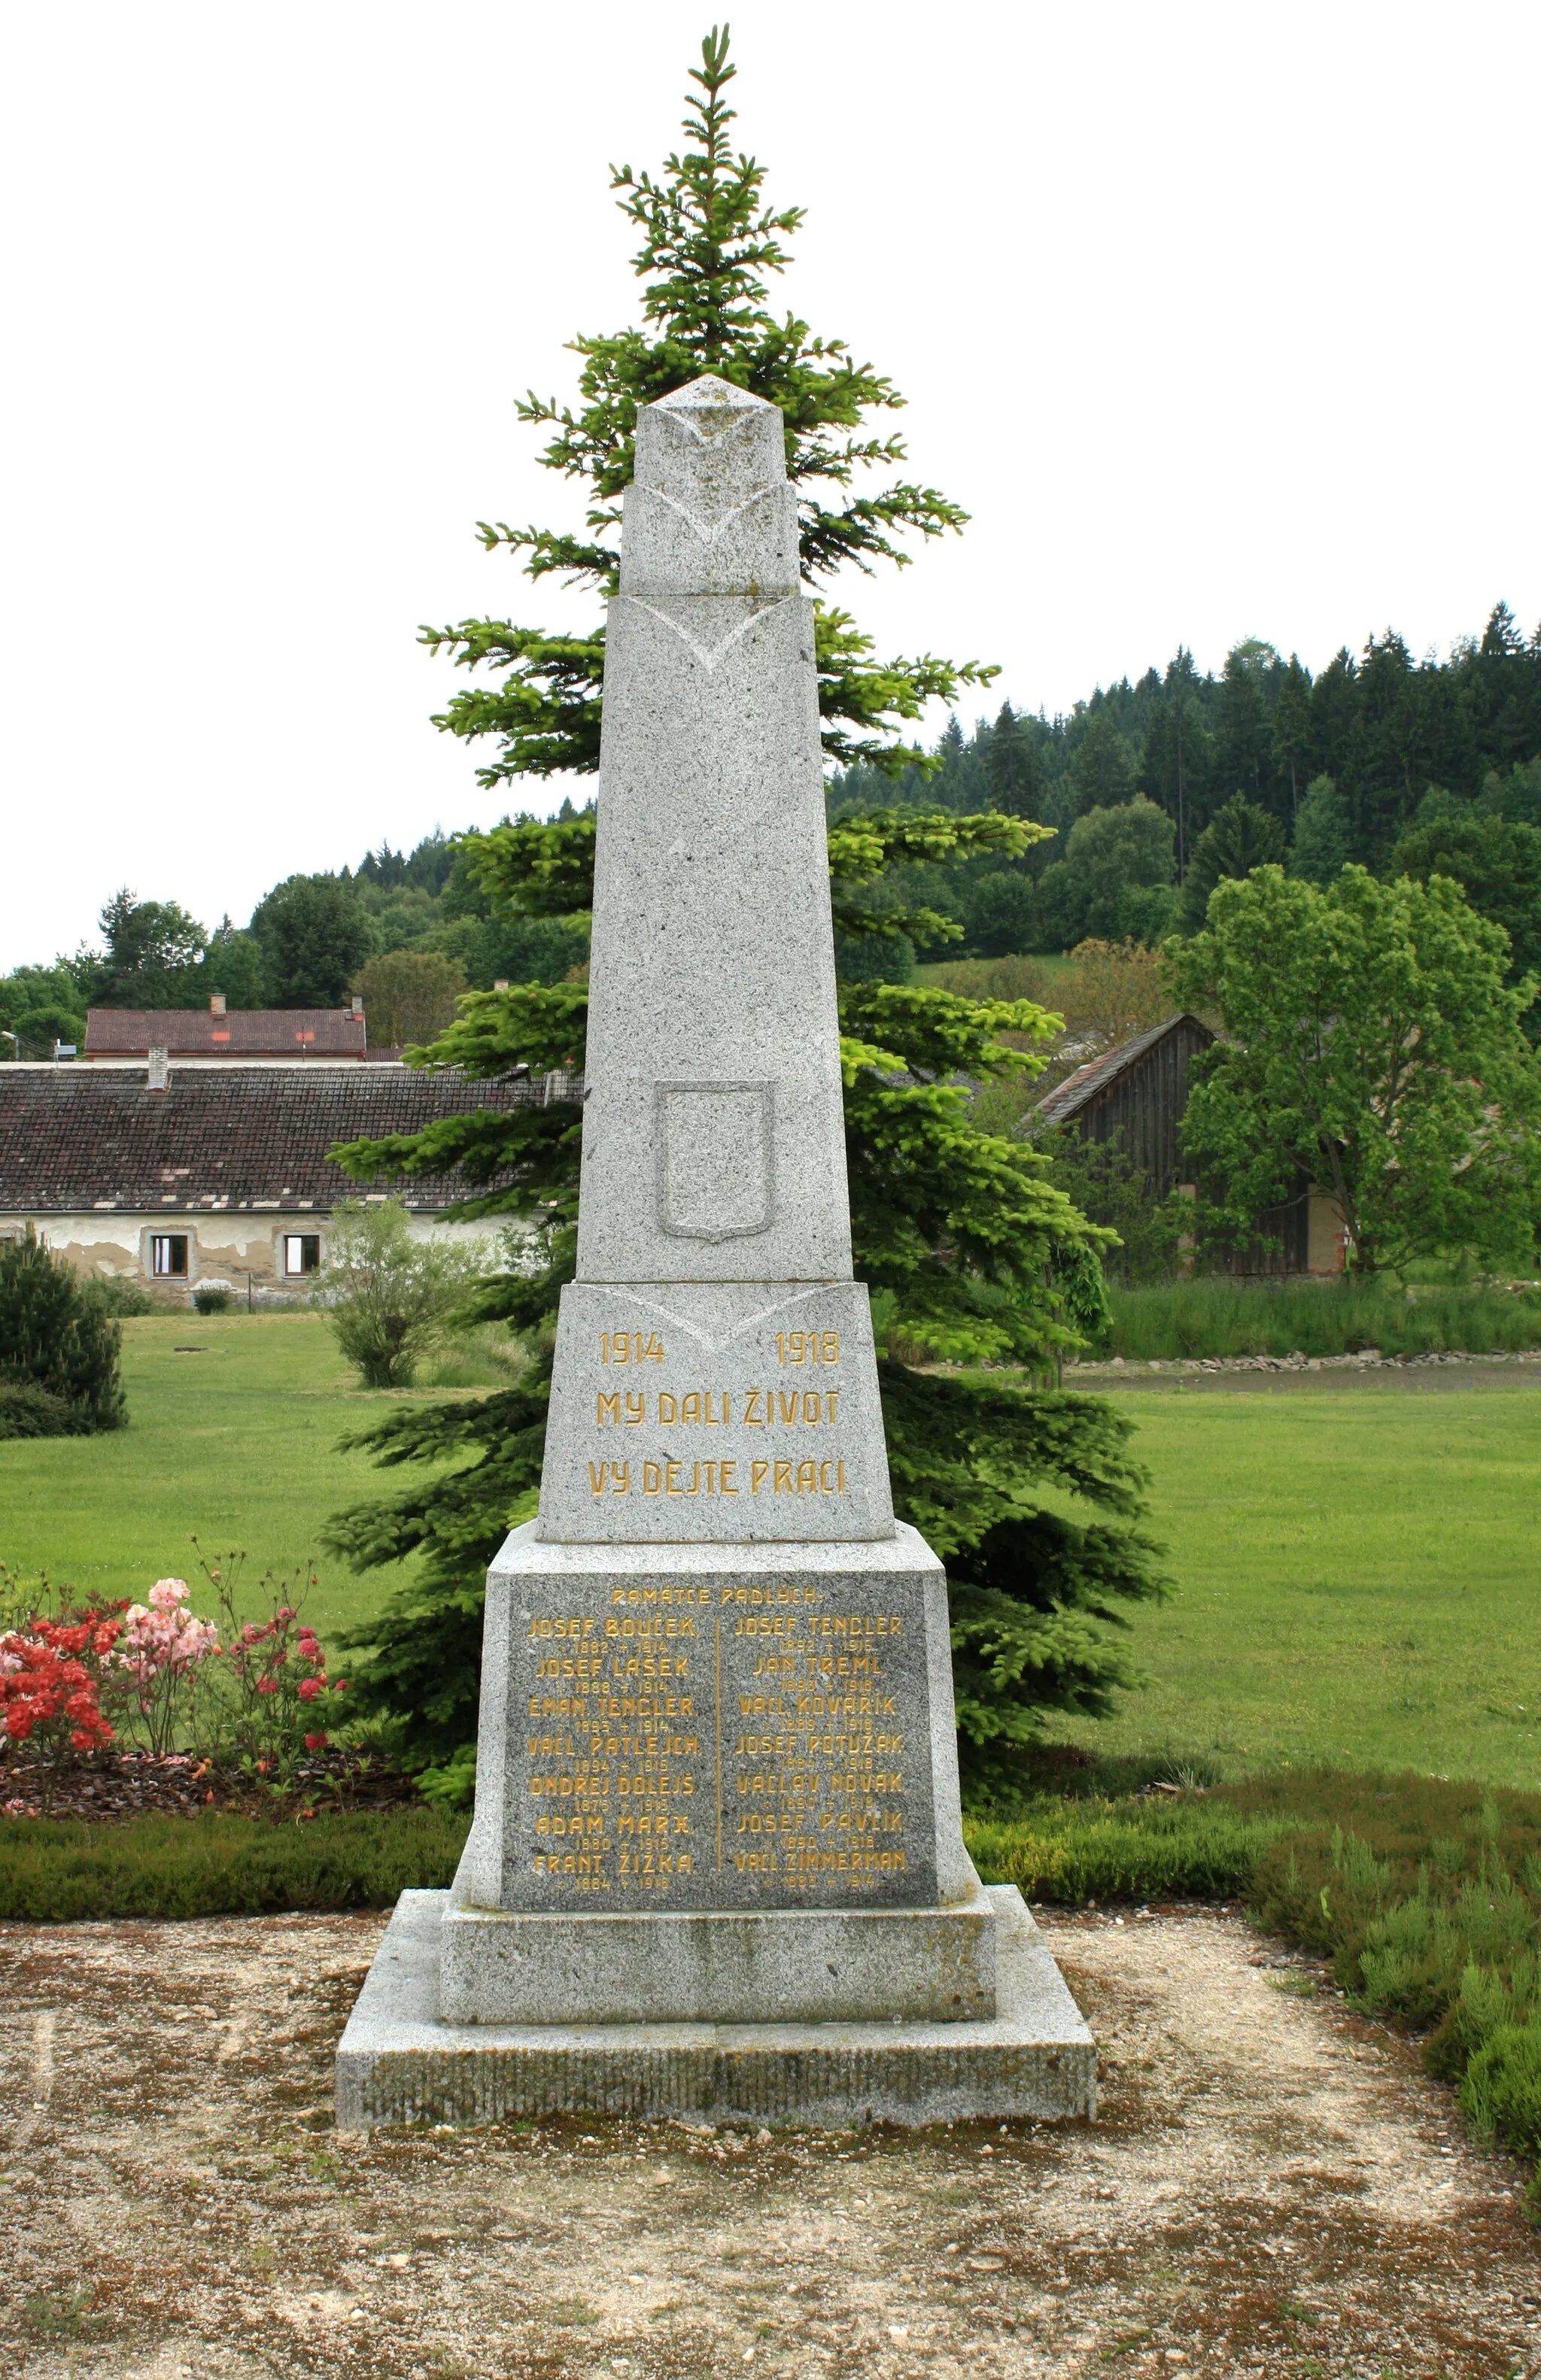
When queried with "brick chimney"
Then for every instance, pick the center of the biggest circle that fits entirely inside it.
(216, 1004)
(159, 1077)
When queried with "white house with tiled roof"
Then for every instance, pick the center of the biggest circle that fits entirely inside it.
(173, 1174)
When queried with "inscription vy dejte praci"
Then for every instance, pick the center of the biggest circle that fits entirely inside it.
(712, 1744)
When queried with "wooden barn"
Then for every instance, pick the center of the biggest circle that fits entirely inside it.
(1138, 1092)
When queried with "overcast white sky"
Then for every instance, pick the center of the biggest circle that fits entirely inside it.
(1221, 320)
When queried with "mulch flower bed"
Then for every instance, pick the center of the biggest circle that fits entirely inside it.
(114, 1785)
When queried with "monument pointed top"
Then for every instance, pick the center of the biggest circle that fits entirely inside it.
(711, 391)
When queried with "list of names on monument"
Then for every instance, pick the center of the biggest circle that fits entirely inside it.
(715, 1743)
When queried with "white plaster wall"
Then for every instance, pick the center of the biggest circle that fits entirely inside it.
(221, 1245)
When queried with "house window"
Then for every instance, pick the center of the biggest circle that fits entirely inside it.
(168, 1255)
(301, 1253)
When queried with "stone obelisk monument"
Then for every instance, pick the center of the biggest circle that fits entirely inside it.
(718, 1860)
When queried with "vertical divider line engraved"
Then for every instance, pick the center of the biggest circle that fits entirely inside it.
(719, 1742)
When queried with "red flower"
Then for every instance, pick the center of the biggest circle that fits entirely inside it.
(309, 1688)
(315, 1742)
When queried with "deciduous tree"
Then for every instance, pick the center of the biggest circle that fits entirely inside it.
(1372, 1042)
(1497, 865)
(314, 938)
(409, 996)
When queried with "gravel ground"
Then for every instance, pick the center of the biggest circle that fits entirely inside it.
(1271, 2186)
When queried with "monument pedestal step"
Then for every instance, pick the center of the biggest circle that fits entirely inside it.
(400, 2063)
(719, 1966)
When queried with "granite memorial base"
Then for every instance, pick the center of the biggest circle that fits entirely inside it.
(400, 2062)
(719, 1785)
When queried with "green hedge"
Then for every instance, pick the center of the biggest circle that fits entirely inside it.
(216, 1866)
(1194, 1318)
(1423, 1892)
(1195, 1849)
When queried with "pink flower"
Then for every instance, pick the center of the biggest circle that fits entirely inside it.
(309, 1688)
(167, 1593)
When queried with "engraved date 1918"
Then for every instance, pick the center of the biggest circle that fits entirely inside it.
(807, 1347)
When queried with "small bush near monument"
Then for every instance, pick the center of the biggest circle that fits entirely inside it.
(57, 1871)
(391, 1299)
(243, 1703)
(55, 1336)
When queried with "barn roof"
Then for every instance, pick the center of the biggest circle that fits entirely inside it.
(74, 1138)
(238, 1033)
(1099, 1074)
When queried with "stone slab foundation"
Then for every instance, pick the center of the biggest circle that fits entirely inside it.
(400, 2063)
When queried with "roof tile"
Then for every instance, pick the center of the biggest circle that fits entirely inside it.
(73, 1139)
(239, 1032)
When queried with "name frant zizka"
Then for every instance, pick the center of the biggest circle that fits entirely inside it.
(686, 1731)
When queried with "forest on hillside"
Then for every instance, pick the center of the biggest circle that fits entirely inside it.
(1156, 789)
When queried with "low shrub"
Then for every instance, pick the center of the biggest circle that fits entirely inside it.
(1423, 1892)
(1501, 2089)
(214, 1865)
(254, 1691)
(1195, 1318)
(1186, 1849)
(116, 1295)
(27, 1411)
(213, 1297)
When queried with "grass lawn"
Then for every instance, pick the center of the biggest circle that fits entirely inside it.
(1356, 1567)
(237, 1443)
(1357, 1580)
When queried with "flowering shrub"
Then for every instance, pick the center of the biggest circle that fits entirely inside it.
(75, 1677)
(274, 1672)
(280, 1674)
(164, 1646)
(51, 1677)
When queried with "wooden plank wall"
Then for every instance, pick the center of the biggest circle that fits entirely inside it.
(1145, 1105)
